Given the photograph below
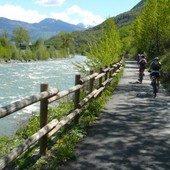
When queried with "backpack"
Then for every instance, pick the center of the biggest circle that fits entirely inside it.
(142, 63)
(155, 65)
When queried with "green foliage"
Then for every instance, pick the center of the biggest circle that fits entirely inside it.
(62, 109)
(126, 36)
(165, 79)
(63, 42)
(21, 36)
(30, 128)
(4, 42)
(5, 46)
(106, 49)
(5, 53)
(53, 113)
(165, 60)
(152, 27)
(5, 144)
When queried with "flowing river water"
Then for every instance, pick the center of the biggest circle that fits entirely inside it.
(20, 80)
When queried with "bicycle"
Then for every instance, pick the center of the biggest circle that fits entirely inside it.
(141, 74)
(140, 77)
(155, 84)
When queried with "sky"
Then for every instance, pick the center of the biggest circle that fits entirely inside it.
(88, 12)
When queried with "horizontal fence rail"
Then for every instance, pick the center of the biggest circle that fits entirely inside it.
(18, 105)
(45, 97)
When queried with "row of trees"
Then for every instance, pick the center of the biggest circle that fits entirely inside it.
(20, 48)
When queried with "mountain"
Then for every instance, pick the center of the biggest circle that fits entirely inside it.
(50, 27)
(128, 17)
(44, 29)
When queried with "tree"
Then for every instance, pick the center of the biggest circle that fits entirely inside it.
(66, 43)
(153, 26)
(107, 48)
(5, 48)
(21, 36)
(126, 36)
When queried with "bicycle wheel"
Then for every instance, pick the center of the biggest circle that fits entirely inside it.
(140, 77)
(154, 85)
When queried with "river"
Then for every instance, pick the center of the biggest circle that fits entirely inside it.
(20, 80)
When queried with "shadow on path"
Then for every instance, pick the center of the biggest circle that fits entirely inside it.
(132, 133)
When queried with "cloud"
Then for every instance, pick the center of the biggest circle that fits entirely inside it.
(50, 2)
(18, 13)
(73, 15)
(76, 15)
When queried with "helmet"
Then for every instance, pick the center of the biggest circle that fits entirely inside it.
(156, 58)
(142, 55)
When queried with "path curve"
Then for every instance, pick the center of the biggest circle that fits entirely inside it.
(133, 130)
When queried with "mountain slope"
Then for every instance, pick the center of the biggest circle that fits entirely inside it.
(128, 17)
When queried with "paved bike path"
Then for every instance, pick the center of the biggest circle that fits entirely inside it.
(133, 130)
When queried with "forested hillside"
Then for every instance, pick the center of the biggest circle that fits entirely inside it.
(127, 18)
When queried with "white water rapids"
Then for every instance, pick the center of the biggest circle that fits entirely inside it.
(20, 80)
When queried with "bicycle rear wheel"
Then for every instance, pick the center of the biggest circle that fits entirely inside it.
(154, 85)
(140, 77)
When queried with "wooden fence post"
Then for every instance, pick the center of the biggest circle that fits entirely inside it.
(43, 119)
(100, 79)
(106, 73)
(77, 97)
(110, 72)
(115, 68)
(91, 82)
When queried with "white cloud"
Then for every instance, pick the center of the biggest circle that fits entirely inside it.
(20, 14)
(73, 15)
(50, 2)
(76, 15)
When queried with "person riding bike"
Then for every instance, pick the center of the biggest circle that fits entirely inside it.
(155, 67)
(142, 65)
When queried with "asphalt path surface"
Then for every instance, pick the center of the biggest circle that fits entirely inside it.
(133, 130)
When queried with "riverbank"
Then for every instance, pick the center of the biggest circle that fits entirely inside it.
(27, 61)
(21, 80)
(15, 61)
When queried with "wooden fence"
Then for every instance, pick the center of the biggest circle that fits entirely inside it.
(45, 97)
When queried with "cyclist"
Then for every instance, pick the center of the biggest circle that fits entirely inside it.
(142, 65)
(155, 67)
